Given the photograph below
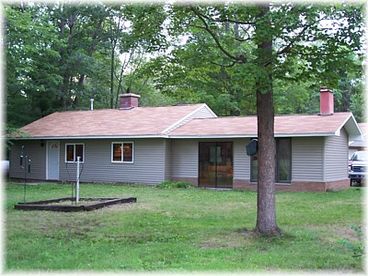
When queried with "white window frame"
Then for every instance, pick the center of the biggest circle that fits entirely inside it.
(122, 152)
(74, 151)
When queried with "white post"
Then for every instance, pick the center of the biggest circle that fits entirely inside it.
(77, 186)
(91, 100)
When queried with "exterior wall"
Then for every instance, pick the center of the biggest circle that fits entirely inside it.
(241, 161)
(307, 159)
(306, 162)
(167, 159)
(148, 166)
(185, 154)
(184, 160)
(36, 153)
(299, 186)
(336, 155)
(156, 160)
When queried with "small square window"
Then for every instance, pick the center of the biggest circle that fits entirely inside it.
(72, 151)
(122, 152)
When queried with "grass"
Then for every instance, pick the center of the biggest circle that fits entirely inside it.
(180, 230)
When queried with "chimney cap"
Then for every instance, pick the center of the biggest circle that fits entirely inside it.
(325, 89)
(129, 95)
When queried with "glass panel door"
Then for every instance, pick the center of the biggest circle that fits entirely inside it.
(216, 164)
(207, 165)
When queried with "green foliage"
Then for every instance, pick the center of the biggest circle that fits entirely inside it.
(32, 62)
(313, 45)
(12, 132)
(60, 55)
(174, 184)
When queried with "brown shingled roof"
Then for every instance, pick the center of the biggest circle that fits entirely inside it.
(109, 122)
(152, 121)
(293, 125)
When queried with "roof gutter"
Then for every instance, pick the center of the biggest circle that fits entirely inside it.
(173, 136)
(251, 135)
(90, 137)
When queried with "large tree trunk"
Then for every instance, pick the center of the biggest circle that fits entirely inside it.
(266, 212)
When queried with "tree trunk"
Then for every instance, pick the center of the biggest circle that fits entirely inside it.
(112, 76)
(119, 88)
(95, 39)
(266, 212)
(65, 91)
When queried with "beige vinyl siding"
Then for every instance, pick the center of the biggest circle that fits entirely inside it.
(184, 158)
(35, 152)
(241, 161)
(148, 166)
(307, 158)
(336, 157)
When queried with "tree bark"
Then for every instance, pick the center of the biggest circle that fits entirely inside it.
(112, 75)
(266, 211)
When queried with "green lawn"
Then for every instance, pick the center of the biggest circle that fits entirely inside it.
(180, 230)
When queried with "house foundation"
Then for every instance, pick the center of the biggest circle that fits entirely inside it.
(297, 186)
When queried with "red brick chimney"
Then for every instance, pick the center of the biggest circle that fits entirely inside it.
(326, 101)
(128, 101)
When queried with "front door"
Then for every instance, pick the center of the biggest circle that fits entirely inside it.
(216, 164)
(53, 156)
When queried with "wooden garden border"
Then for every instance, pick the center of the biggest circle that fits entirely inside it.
(42, 205)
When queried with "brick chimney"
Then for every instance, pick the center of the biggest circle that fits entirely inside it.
(326, 102)
(128, 101)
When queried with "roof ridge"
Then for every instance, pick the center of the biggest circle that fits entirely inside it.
(116, 109)
(280, 115)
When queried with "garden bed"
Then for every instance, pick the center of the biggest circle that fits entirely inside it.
(68, 204)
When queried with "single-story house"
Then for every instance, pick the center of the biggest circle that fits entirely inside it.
(148, 145)
(360, 144)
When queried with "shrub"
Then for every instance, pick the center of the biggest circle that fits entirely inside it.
(174, 184)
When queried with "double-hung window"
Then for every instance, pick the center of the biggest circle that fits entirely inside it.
(122, 152)
(72, 151)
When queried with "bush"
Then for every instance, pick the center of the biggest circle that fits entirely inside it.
(174, 184)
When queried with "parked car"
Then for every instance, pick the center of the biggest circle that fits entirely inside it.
(358, 164)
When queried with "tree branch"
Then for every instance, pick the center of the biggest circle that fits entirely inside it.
(239, 59)
(223, 65)
(288, 47)
(226, 20)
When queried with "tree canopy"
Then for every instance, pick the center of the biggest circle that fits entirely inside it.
(59, 56)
